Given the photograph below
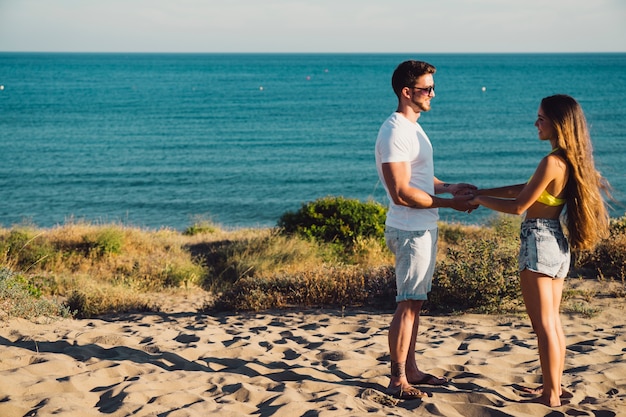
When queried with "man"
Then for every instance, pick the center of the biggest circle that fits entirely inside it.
(404, 160)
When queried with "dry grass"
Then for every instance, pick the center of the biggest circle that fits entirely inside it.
(112, 268)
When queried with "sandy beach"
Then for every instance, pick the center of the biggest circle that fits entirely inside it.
(179, 362)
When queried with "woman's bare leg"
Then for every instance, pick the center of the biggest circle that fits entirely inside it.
(539, 296)
(557, 292)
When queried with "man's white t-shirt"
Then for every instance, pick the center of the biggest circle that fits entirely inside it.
(400, 140)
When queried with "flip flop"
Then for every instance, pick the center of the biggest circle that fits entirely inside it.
(430, 379)
(408, 394)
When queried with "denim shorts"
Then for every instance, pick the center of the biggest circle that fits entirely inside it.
(416, 253)
(544, 248)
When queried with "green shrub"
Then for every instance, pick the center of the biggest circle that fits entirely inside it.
(23, 248)
(336, 220)
(480, 275)
(618, 226)
(452, 233)
(106, 241)
(200, 226)
(583, 309)
(19, 298)
(506, 226)
(176, 275)
(608, 259)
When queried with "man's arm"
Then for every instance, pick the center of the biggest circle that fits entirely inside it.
(397, 176)
(454, 189)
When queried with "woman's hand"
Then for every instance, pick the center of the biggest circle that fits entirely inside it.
(462, 189)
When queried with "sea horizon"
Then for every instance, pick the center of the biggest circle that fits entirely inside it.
(163, 139)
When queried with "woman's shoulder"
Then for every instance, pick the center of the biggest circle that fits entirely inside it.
(551, 167)
(555, 160)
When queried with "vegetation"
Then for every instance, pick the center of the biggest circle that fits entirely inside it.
(337, 221)
(331, 253)
(609, 258)
(480, 273)
(18, 298)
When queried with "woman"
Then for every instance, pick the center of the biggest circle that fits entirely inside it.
(566, 177)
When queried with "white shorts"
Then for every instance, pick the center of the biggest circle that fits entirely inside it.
(416, 253)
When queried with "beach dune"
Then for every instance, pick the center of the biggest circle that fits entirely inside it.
(179, 362)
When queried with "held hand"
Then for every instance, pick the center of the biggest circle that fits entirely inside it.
(462, 189)
(463, 202)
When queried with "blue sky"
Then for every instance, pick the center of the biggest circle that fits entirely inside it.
(313, 25)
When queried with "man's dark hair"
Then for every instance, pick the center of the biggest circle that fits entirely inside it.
(407, 73)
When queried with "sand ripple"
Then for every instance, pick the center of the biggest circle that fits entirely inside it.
(297, 363)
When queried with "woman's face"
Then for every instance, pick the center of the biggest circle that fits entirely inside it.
(544, 126)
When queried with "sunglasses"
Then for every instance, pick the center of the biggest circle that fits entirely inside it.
(426, 90)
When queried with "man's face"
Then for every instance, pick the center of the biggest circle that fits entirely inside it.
(422, 92)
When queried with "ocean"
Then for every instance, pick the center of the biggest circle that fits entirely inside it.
(167, 140)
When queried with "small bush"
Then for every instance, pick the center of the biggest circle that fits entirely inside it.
(90, 302)
(582, 308)
(506, 226)
(173, 275)
(452, 233)
(199, 227)
(618, 225)
(229, 260)
(19, 298)
(480, 275)
(106, 241)
(608, 259)
(24, 248)
(336, 220)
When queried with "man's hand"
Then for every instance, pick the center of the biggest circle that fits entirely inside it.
(462, 202)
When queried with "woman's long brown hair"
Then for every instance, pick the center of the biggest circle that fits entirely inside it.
(587, 218)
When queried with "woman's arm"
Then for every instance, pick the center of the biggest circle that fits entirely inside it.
(504, 199)
(509, 191)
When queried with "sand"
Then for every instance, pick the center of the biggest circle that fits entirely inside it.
(179, 362)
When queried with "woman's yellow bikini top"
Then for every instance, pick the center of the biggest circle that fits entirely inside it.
(550, 200)
(547, 198)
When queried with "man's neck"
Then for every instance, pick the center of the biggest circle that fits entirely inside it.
(409, 113)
